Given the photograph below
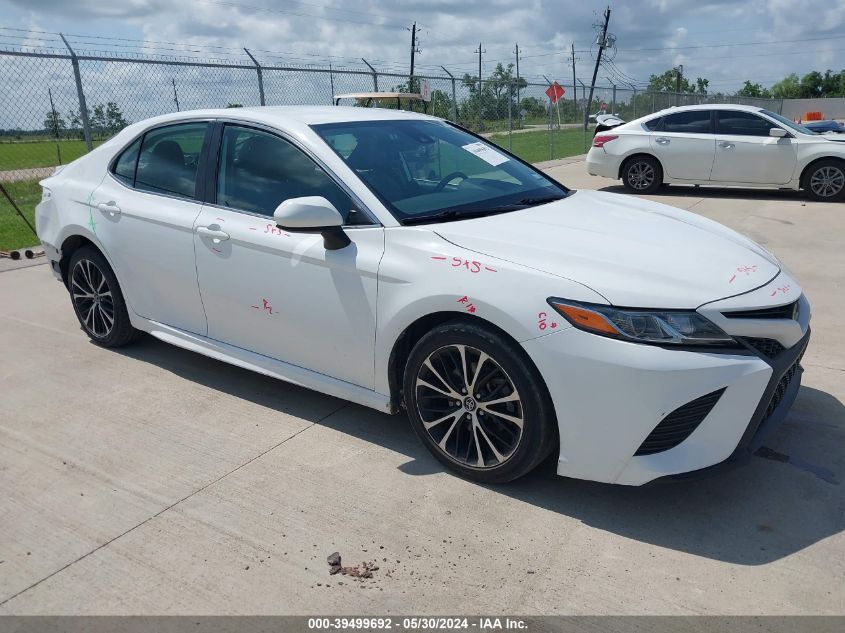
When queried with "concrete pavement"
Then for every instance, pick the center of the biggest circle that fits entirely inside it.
(150, 480)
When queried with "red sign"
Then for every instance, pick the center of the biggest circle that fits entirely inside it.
(555, 92)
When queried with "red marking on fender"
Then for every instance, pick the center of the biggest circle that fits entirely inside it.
(492, 270)
(256, 307)
(216, 250)
(470, 307)
(541, 323)
(441, 258)
(221, 219)
(252, 228)
(732, 279)
(746, 270)
(471, 265)
(780, 289)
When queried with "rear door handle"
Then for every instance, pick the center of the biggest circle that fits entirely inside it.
(726, 145)
(662, 140)
(216, 235)
(109, 207)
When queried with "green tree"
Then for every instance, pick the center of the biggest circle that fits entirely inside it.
(668, 82)
(787, 88)
(54, 123)
(114, 118)
(753, 90)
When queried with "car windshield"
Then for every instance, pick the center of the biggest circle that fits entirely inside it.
(431, 171)
(790, 124)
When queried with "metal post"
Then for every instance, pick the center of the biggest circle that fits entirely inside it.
(510, 115)
(634, 101)
(331, 80)
(55, 116)
(175, 94)
(83, 109)
(551, 125)
(375, 74)
(260, 77)
(454, 98)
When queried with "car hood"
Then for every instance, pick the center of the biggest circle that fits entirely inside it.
(634, 252)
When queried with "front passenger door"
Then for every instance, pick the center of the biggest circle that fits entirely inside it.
(685, 145)
(281, 294)
(746, 153)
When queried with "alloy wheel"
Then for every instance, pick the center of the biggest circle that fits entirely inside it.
(640, 175)
(827, 181)
(92, 298)
(469, 406)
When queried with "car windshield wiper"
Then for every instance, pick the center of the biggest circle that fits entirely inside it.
(449, 215)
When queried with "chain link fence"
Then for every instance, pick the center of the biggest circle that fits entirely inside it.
(55, 107)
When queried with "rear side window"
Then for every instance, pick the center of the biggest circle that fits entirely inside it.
(654, 124)
(124, 168)
(169, 158)
(743, 123)
(689, 122)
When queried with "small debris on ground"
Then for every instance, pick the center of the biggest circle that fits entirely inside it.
(364, 570)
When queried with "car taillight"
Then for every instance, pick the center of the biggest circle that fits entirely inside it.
(601, 139)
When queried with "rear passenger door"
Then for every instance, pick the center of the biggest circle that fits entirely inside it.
(143, 215)
(685, 145)
(746, 153)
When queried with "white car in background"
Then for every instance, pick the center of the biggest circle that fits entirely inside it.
(725, 145)
(397, 261)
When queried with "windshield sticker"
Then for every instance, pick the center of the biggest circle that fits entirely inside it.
(485, 153)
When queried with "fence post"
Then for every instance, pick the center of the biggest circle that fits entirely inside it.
(260, 77)
(613, 102)
(83, 109)
(510, 115)
(551, 124)
(375, 74)
(454, 98)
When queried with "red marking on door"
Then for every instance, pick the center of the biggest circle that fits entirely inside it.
(252, 228)
(492, 270)
(221, 219)
(216, 250)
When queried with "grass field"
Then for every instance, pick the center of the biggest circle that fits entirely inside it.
(534, 146)
(14, 233)
(26, 154)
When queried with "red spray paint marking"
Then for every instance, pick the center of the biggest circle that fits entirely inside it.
(470, 307)
(221, 219)
(440, 258)
(471, 265)
(265, 305)
(275, 230)
(747, 270)
(216, 250)
(541, 323)
(781, 289)
(252, 228)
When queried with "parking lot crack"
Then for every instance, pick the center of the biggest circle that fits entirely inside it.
(175, 503)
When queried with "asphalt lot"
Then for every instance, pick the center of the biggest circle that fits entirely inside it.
(154, 481)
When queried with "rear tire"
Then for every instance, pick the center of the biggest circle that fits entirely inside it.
(97, 299)
(642, 174)
(478, 404)
(825, 181)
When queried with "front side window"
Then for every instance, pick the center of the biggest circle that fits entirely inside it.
(688, 122)
(169, 159)
(420, 169)
(258, 171)
(743, 123)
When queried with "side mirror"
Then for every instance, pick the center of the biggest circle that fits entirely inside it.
(777, 132)
(313, 214)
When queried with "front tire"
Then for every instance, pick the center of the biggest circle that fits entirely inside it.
(825, 181)
(97, 299)
(642, 174)
(477, 403)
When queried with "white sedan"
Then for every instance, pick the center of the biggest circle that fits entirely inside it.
(400, 262)
(725, 145)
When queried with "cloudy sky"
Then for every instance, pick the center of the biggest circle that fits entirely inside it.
(726, 41)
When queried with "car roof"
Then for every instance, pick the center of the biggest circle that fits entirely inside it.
(287, 115)
(709, 106)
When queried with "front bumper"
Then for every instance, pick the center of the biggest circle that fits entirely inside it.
(609, 395)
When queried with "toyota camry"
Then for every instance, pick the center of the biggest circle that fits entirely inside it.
(400, 262)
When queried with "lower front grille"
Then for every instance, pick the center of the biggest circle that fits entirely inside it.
(782, 386)
(768, 347)
(679, 425)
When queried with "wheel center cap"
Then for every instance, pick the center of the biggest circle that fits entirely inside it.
(469, 403)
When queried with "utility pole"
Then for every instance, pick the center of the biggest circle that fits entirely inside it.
(480, 51)
(516, 52)
(55, 123)
(175, 96)
(601, 42)
(574, 87)
(679, 74)
(413, 52)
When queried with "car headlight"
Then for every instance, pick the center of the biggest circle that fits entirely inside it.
(673, 327)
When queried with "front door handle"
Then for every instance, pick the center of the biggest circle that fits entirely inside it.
(662, 140)
(726, 145)
(109, 207)
(216, 235)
